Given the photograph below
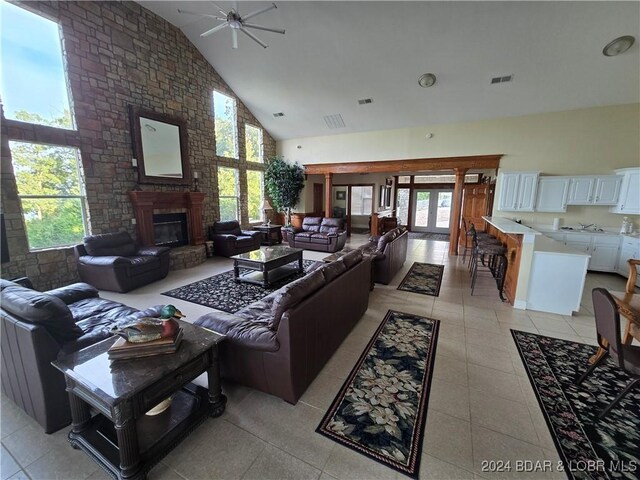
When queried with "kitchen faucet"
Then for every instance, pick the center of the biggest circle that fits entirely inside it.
(584, 227)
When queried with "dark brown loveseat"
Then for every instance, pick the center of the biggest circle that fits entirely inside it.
(112, 261)
(279, 344)
(320, 234)
(389, 253)
(229, 239)
(36, 327)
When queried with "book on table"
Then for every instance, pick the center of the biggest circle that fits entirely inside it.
(122, 349)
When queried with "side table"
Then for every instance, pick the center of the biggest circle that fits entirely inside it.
(121, 438)
(271, 234)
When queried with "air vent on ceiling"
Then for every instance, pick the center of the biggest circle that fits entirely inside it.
(365, 101)
(334, 121)
(279, 114)
(504, 79)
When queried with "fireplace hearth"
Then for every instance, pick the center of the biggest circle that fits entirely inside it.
(170, 229)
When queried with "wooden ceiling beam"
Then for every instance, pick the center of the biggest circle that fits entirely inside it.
(411, 165)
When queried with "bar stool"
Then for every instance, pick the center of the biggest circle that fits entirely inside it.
(496, 264)
(480, 238)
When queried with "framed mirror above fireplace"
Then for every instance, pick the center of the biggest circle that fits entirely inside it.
(159, 147)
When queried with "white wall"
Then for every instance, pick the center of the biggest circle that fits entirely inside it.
(576, 142)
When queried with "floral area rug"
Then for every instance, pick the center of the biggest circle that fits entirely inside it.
(222, 292)
(423, 278)
(589, 448)
(381, 409)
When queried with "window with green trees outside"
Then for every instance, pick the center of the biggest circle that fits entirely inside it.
(253, 143)
(255, 193)
(226, 125)
(228, 193)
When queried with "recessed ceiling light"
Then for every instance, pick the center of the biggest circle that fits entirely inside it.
(427, 80)
(618, 46)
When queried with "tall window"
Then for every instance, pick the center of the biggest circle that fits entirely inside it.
(226, 125)
(253, 143)
(32, 80)
(361, 200)
(228, 193)
(50, 192)
(255, 193)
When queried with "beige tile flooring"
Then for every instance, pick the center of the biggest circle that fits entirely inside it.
(481, 407)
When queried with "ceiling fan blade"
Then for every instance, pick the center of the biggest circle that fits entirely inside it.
(258, 12)
(266, 29)
(253, 37)
(202, 14)
(214, 29)
(234, 35)
(219, 8)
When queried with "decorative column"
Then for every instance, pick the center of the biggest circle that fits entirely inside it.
(328, 177)
(456, 210)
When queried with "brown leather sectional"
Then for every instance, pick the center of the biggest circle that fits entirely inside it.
(279, 344)
(36, 327)
(319, 234)
(389, 253)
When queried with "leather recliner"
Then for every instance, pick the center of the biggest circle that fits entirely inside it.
(229, 239)
(320, 234)
(113, 262)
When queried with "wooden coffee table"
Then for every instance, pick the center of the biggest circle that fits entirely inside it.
(267, 265)
(271, 234)
(121, 438)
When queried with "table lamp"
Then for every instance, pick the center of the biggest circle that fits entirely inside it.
(267, 206)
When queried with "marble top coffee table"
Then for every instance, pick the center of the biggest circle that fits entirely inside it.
(268, 264)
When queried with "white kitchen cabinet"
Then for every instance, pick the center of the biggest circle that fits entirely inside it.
(581, 190)
(604, 253)
(552, 194)
(629, 198)
(630, 248)
(594, 190)
(518, 191)
(607, 190)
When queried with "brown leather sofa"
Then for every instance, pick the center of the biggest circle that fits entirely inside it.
(389, 253)
(36, 327)
(113, 262)
(279, 344)
(229, 239)
(320, 234)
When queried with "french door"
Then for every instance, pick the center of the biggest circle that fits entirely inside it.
(431, 210)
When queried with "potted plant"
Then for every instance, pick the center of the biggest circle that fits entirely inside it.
(284, 182)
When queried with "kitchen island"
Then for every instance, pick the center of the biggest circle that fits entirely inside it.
(542, 274)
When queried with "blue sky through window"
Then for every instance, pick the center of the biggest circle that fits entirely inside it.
(32, 76)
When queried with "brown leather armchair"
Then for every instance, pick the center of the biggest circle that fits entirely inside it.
(229, 239)
(113, 262)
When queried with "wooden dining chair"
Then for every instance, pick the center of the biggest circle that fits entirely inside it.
(627, 357)
(629, 304)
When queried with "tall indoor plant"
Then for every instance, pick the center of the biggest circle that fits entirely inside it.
(284, 182)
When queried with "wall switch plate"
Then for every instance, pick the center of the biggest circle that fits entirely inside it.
(133, 221)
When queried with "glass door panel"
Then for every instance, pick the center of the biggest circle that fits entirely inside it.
(421, 210)
(402, 207)
(443, 213)
(431, 210)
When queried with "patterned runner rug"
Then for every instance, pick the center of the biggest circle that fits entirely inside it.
(222, 292)
(381, 409)
(423, 278)
(588, 447)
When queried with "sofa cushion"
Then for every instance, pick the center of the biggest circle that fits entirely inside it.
(41, 309)
(110, 244)
(74, 292)
(332, 270)
(309, 222)
(332, 225)
(351, 258)
(231, 227)
(303, 236)
(314, 266)
(320, 238)
(142, 265)
(293, 293)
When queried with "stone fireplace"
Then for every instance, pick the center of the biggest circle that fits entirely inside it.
(170, 229)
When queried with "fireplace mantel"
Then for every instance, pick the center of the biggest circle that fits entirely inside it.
(144, 203)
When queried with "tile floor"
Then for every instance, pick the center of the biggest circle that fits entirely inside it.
(481, 407)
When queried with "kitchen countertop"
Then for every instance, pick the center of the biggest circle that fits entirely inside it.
(509, 226)
(549, 245)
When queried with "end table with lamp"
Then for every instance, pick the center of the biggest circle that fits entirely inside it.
(271, 233)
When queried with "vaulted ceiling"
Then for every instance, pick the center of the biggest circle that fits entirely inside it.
(335, 53)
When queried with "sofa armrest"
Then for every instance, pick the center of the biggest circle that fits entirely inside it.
(295, 230)
(74, 293)
(239, 331)
(105, 261)
(152, 251)
(252, 233)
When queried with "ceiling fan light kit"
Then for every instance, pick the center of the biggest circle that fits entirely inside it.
(427, 80)
(618, 46)
(237, 22)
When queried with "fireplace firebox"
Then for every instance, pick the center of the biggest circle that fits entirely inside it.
(170, 229)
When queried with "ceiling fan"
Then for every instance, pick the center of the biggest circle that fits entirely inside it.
(235, 21)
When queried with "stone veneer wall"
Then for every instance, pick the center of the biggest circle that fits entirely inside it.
(119, 54)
